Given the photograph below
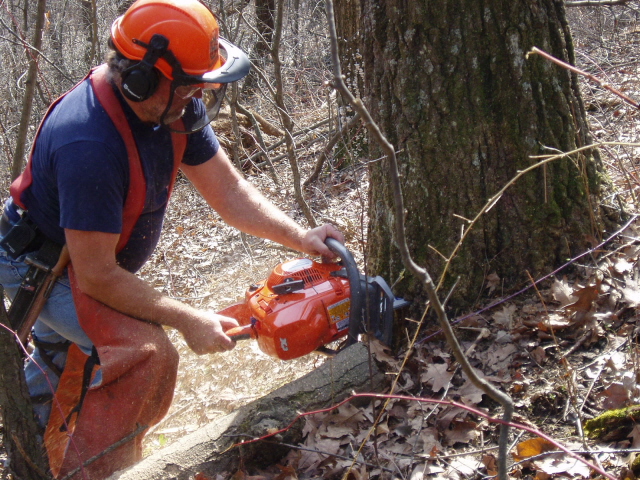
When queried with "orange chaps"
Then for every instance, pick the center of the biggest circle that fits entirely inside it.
(130, 391)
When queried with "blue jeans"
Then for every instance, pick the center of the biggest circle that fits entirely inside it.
(57, 323)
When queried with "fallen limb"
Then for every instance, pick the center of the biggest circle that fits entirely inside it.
(221, 445)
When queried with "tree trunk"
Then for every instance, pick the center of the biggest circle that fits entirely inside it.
(30, 86)
(27, 459)
(207, 451)
(348, 18)
(452, 89)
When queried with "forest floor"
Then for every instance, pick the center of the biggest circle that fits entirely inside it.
(566, 351)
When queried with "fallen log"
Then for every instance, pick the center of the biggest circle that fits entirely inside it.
(212, 449)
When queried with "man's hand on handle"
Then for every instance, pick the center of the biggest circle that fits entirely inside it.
(205, 334)
(313, 242)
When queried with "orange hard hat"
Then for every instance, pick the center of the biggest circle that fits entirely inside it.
(190, 27)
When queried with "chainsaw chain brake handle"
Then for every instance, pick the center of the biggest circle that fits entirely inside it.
(356, 296)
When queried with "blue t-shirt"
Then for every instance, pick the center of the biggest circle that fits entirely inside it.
(80, 172)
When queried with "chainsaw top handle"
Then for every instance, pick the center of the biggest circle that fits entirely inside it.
(356, 296)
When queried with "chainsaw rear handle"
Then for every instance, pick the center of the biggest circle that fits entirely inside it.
(243, 332)
(356, 297)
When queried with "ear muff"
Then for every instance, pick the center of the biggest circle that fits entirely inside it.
(141, 80)
(138, 83)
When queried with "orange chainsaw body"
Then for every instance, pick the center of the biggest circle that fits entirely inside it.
(302, 306)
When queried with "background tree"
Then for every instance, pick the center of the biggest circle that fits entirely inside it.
(452, 88)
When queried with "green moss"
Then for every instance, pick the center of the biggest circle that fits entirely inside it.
(613, 423)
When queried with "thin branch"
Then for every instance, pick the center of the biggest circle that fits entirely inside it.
(109, 449)
(327, 149)
(596, 3)
(497, 395)
(593, 78)
(285, 118)
(36, 51)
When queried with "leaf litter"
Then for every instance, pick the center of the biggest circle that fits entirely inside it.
(565, 355)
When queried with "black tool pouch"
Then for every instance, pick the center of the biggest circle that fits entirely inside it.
(22, 237)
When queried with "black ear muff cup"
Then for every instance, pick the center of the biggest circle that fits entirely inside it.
(139, 83)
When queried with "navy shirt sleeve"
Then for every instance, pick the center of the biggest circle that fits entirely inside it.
(92, 186)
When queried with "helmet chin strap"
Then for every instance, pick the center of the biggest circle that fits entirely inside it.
(166, 110)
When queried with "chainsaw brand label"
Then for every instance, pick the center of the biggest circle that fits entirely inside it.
(339, 313)
(297, 265)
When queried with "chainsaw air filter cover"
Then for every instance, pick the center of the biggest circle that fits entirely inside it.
(302, 306)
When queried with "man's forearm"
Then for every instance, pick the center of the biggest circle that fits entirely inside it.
(125, 292)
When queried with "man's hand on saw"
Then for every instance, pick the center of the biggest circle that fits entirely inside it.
(314, 241)
(205, 334)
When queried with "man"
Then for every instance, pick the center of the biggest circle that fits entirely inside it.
(98, 181)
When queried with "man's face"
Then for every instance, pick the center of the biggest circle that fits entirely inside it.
(151, 110)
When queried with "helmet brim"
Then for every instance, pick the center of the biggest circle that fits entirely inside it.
(235, 67)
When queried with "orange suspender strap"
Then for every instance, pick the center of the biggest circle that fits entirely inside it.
(137, 185)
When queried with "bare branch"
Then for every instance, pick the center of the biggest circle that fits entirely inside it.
(596, 3)
(327, 149)
(497, 395)
(593, 78)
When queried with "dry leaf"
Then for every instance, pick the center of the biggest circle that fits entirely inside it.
(635, 435)
(489, 461)
(201, 476)
(559, 463)
(437, 376)
(554, 322)
(622, 265)
(562, 292)
(493, 281)
(539, 355)
(286, 473)
(531, 448)
(470, 394)
(616, 396)
(631, 294)
(463, 431)
(381, 352)
(504, 317)
(586, 297)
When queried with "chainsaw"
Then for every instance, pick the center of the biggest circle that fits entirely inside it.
(303, 306)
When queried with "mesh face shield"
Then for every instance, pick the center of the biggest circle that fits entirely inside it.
(205, 103)
(205, 92)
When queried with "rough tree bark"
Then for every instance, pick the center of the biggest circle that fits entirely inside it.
(349, 27)
(451, 87)
(27, 459)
